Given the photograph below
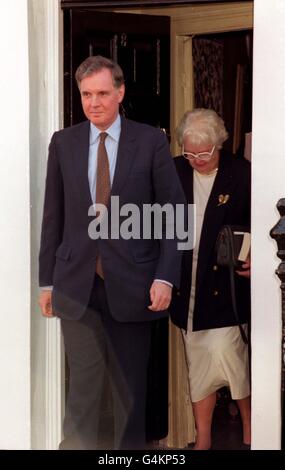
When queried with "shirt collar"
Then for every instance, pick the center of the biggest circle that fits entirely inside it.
(113, 131)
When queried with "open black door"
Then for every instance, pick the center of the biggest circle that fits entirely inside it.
(141, 45)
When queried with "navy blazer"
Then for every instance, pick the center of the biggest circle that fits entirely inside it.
(213, 305)
(144, 174)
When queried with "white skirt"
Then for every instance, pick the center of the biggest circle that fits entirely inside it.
(217, 358)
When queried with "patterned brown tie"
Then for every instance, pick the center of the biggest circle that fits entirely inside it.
(103, 185)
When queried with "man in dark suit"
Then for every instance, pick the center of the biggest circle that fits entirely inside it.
(106, 291)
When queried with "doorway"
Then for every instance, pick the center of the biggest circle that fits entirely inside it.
(184, 23)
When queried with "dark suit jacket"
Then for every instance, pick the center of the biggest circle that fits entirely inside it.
(145, 173)
(213, 306)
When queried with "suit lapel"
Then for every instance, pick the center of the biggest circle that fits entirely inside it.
(125, 157)
(80, 150)
(213, 217)
(186, 178)
(185, 172)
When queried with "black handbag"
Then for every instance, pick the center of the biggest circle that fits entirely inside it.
(232, 248)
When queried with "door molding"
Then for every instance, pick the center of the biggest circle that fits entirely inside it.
(54, 360)
(185, 23)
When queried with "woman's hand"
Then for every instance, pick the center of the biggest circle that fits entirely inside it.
(246, 269)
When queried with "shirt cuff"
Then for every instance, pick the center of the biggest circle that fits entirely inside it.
(47, 288)
(164, 282)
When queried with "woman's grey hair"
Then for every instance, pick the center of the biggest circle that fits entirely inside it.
(202, 126)
(95, 64)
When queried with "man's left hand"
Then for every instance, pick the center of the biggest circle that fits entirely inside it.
(160, 296)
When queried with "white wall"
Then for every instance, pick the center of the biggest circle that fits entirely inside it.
(15, 423)
(268, 164)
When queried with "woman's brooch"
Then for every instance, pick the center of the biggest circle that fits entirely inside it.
(223, 199)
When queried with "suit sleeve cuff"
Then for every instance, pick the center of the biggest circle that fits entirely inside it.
(164, 282)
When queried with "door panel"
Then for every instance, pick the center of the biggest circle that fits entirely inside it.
(139, 43)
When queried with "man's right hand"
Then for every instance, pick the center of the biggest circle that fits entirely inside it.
(45, 303)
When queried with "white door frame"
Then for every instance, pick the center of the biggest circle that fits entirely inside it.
(55, 364)
(266, 408)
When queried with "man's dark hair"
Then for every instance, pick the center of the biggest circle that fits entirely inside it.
(95, 64)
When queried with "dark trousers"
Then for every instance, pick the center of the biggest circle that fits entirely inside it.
(94, 345)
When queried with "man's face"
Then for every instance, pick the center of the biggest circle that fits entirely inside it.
(100, 98)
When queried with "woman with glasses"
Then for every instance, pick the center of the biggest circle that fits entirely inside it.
(219, 186)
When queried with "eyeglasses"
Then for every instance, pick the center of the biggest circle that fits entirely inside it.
(201, 156)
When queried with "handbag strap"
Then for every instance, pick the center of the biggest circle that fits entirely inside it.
(233, 293)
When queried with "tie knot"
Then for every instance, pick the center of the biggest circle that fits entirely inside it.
(102, 136)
